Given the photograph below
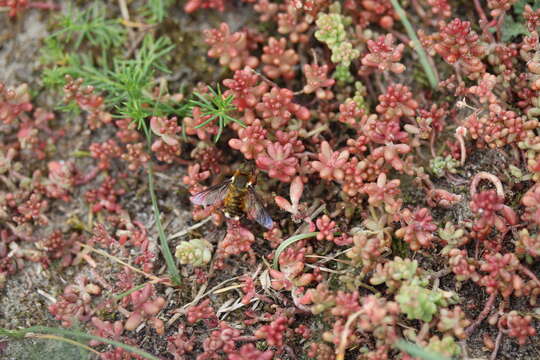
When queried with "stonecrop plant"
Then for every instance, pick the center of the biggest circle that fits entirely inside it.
(395, 145)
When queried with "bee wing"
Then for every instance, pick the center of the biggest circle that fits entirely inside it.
(256, 210)
(211, 195)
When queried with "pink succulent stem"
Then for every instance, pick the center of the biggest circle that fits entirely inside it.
(530, 274)
(483, 314)
(44, 5)
(483, 175)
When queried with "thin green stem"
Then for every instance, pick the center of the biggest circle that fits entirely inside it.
(430, 73)
(169, 259)
(129, 292)
(62, 339)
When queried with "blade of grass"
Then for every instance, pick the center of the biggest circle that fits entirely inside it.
(416, 43)
(62, 339)
(167, 255)
(75, 334)
(129, 292)
(287, 243)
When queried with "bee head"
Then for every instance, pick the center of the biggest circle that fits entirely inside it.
(244, 176)
(240, 179)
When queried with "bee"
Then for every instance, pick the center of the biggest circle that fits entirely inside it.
(239, 198)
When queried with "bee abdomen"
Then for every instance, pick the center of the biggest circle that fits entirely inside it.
(233, 205)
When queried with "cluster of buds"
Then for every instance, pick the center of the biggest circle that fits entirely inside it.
(179, 344)
(75, 303)
(200, 312)
(231, 49)
(194, 5)
(453, 322)
(136, 156)
(32, 210)
(58, 247)
(383, 56)
(499, 7)
(275, 332)
(279, 62)
(462, 266)
(501, 274)
(209, 156)
(251, 140)
(366, 250)
(14, 102)
(457, 43)
(196, 252)
(105, 197)
(531, 201)
(316, 80)
(221, 340)
(484, 89)
(418, 302)
(394, 273)
(517, 326)
(279, 161)
(104, 152)
(61, 180)
(420, 228)
(167, 146)
(330, 164)
(145, 306)
(397, 102)
(499, 127)
(489, 206)
(246, 88)
(238, 240)
(440, 7)
(327, 228)
(532, 17)
(528, 244)
(292, 23)
(383, 194)
(277, 108)
(87, 101)
(331, 31)
(372, 11)
(291, 274)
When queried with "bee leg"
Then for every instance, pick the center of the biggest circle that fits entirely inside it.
(233, 223)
